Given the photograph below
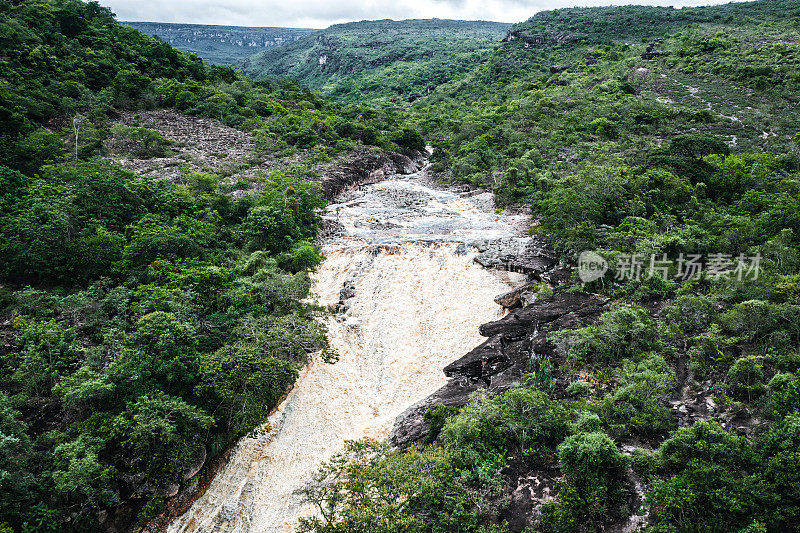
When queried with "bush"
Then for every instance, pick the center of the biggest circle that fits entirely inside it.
(138, 142)
(636, 406)
(436, 419)
(165, 434)
(603, 127)
(591, 491)
(624, 331)
(579, 389)
(247, 381)
(705, 480)
(746, 377)
(523, 419)
(370, 488)
(410, 139)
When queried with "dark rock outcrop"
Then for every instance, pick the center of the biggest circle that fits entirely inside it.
(514, 343)
(518, 297)
(530, 256)
(364, 166)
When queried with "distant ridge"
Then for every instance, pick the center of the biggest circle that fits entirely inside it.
(220, 45)
(384, 61)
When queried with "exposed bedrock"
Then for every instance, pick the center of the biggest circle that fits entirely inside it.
(364, 166)
(514, 344)
(531, 256)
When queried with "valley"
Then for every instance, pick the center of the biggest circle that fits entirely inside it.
(416, 276)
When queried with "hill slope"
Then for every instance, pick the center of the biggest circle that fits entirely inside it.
(660, 394)
(383, 61)
(138, 235)
(219, 45)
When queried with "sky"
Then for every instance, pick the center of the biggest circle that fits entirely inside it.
(323, 13)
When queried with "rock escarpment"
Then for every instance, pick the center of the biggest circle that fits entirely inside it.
(550, 38)
(515, 343)
(364, 166)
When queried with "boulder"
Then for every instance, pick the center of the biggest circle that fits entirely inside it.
(529, 256)
(518, 297)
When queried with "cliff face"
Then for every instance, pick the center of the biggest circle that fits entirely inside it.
(357, 61)
(514, 344)
(221, 45)
(364, 166)
(544, 38)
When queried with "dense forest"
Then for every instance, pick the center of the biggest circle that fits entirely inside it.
(146, 324)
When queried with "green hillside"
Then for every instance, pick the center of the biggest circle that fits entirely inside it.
(124, 299)
(148, 323)
(643, 134)
(382, 61)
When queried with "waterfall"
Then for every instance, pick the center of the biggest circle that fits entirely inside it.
(413, 304)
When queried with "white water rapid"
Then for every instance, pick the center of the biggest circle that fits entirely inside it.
(418, 301)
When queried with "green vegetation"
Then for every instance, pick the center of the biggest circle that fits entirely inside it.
(219, 45)
(634, 132)
(149, 324)
(382, 61)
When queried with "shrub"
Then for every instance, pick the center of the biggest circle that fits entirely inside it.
(410, 139)
(591, 491)
(165, 434)
(746, 377)
(603, 127)
(523, 419)
(623, 331)
(636, 406)
(436, 419)
(579, 389)
(139, 142)
(705, 480)
(38, 148)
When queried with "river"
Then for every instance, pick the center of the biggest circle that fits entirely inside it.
(416, 300)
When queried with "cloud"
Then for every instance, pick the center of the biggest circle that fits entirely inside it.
(321, 14)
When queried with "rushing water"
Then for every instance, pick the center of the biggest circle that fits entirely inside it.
(419, 299)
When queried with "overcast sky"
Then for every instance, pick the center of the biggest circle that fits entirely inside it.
(323, 13)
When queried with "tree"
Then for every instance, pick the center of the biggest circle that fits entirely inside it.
(163, 352)
(371, 488)
(247, 381)
(270, 228)
(165, 434)
(705, 480)
(593, 468)
(697, 146)
(48, 350)
(12, 186)
(130, 83)
(38, 148)
(79, 476)
(411, 139)
(16, 479)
